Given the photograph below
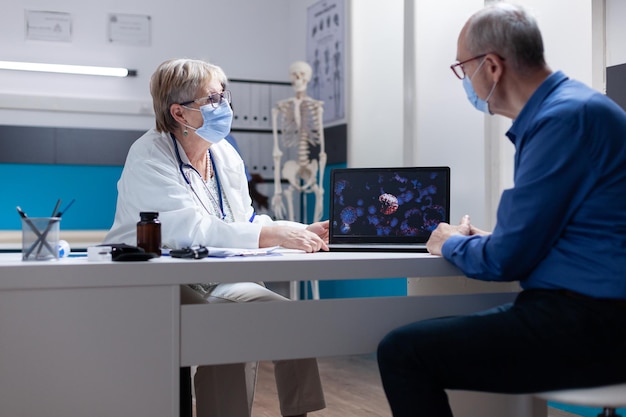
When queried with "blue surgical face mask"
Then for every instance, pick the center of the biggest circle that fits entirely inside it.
(217, 121)
(477, 102)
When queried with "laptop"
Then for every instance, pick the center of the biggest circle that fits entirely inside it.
(387, 209)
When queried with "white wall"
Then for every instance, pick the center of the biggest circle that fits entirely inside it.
(375, 113)
(449, 131)
(436, 123)
(296, 28)
(615, 32)
(569, 47)
(258, 40)
(248, 39)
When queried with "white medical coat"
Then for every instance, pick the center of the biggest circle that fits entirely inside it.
(151, 181)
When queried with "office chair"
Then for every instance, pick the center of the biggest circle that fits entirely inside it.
(608, 397)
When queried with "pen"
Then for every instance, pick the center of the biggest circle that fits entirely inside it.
(47, 230)
(60, 213)
(56, 208)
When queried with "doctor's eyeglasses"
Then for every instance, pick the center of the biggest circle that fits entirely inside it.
(214, 99)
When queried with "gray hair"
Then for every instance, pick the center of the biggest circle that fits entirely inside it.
(509, 31)
(176, 81)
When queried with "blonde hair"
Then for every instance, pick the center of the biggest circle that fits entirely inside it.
(177, 81)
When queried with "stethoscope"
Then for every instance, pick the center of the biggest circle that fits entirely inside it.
(219, 202)
(182, 166)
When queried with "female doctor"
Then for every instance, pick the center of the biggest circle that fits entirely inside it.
(196, 181)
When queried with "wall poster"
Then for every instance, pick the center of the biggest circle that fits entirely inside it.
(48, 26)
(130, 29)
(326, 26)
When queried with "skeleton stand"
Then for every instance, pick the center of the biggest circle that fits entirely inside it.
(302, 126)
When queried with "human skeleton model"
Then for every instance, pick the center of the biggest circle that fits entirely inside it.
(302, 126)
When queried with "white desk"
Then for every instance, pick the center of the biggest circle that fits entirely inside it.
(80, 338)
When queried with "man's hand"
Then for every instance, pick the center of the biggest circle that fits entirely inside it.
(444, 231)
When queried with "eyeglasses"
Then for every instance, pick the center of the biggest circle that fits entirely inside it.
(459, 70)
(214, 99)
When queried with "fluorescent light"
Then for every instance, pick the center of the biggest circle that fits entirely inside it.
(67, 69)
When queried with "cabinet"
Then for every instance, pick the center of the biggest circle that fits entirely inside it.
(252, 121)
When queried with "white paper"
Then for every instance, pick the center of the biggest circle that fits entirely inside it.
(48, 26)
(227, 252)
(130, 29)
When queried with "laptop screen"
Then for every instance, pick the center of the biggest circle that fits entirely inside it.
(388, 205)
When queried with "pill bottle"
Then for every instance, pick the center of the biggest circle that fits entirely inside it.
(149, 232)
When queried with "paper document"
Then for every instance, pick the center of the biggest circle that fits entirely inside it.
(226, 252)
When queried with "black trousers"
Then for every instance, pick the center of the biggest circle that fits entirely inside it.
(186, 409)
(545, 340)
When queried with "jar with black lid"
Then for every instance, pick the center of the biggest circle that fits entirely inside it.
(149, 232)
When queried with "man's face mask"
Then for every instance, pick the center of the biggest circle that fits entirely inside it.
(217, 121)
(477, 102)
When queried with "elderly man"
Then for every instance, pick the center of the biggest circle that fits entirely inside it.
(560, 232)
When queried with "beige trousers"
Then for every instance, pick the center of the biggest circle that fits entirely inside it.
(228, 390)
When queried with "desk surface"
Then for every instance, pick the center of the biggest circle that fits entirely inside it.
(286, 266)
(66, 321)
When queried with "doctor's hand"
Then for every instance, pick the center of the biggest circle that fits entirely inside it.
(320, 229)
(443, 232)
(291, 238)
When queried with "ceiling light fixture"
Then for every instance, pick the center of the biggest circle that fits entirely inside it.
(68, 69)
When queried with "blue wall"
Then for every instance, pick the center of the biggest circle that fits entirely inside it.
(36, 188)
(583, 411)
(387, 287)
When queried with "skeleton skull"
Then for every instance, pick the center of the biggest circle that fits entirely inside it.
(300, 75)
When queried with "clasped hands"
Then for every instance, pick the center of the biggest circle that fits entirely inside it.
(444, 231)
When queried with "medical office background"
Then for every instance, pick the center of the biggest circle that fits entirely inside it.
(403, 105)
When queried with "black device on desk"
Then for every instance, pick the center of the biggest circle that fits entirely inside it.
(193, 252)
(387, 209)
(121, 252)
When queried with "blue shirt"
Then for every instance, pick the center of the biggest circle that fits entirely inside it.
(563, 224)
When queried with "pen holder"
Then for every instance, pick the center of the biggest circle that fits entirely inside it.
(40, 238)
